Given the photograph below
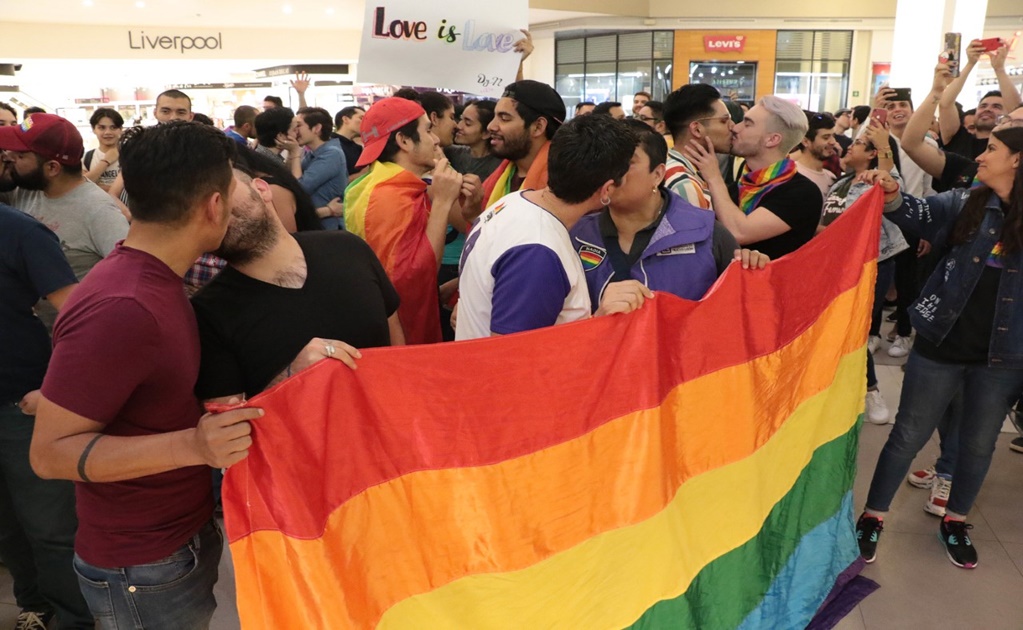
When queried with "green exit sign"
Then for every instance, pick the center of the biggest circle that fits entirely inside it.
(856, 93)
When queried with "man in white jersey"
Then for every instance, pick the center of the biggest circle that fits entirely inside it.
(519, 270)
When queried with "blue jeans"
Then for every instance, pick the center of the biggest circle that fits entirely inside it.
(37, 528)
(927, 391)
(948, 434)
(174, 593)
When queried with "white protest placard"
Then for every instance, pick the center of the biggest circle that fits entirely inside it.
(462, 45)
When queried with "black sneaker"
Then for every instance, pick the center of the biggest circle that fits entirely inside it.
(32, 620)
(958, 546)
(868, 531)
(1017, 444)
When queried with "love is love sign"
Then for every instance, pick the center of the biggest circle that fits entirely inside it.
(462, 45)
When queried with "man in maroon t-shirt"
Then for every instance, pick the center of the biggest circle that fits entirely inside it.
(118, 414)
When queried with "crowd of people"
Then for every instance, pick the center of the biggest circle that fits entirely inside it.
(194, 267)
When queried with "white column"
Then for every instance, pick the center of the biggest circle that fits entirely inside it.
(920, 26)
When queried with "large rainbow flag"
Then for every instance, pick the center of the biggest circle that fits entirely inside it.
(686, 466)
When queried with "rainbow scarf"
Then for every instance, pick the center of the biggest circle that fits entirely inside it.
(500, 181)
(384, 497)
(755, 184)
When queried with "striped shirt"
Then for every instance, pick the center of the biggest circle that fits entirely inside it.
(683, 178)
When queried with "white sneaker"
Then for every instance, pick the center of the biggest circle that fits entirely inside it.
(921, 478)
(877, 410)
(900, 348)
(873, 343)
(940, 490)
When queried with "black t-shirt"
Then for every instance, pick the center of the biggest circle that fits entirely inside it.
(32, 266)
(843, 141)
(251, 330)
(463, 161)
(958, 173)
(797, 202)
(969, 341)
(966, 144)
(352, 151)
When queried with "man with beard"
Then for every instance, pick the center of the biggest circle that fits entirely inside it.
(817, 147)
(251, 338)
(694, 112)
(954, 135)
(118, 413)
(525, 119)
(775, 209)
(43, 159)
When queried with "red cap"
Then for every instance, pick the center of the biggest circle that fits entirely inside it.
(384, 118)
(50, 136)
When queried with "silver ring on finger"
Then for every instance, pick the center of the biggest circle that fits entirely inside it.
(329, 348)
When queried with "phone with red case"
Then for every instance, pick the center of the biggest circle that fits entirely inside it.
(880, 115)
(991, 44)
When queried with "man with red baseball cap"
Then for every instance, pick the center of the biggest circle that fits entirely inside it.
(403, 218)
(43, 160)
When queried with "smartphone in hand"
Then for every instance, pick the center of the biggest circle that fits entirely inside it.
(880, 115)
(952, 51)
(991, 44)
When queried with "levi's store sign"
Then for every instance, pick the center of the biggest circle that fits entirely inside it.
(728, 43)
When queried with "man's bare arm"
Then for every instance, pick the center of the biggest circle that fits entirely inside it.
(928, 157)
(66, 445)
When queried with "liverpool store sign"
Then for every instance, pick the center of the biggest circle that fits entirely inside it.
(140, 41)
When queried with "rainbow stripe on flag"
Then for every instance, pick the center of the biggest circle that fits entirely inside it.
(688, 466)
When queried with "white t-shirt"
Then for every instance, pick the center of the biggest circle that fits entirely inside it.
(518, 272)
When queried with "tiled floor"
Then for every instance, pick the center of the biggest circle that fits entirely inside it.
(919, 587)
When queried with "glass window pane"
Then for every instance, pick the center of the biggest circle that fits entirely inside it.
(734, 80)
(831, 84)
(792, 81)
(794, 45)
(601, 83)
(635, 45)
(602, 48)
(633, 76)
(664, 44)
(836, 45)
(571, 50)
(662, 79)
(569, 83)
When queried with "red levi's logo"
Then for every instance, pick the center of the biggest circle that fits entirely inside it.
(731, 43)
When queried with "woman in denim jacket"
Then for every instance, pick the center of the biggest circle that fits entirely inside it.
(969, 319)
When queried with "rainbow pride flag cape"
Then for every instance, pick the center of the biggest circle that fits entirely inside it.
(689, 465)
(388, 207)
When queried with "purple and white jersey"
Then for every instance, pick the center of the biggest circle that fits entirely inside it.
(518, 272)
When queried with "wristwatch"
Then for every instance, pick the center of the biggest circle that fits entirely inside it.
(887, 155)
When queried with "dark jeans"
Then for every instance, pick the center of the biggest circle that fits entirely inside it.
(174, 593)
(927, 391)
(37, 528)
(885, 275)
(908, 287)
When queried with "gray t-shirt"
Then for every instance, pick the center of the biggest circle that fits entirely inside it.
(87, 220)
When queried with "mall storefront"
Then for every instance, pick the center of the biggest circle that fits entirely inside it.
(810, 68)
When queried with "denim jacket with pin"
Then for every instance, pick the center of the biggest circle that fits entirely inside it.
(949, 288)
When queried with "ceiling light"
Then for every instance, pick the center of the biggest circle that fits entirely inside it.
(140, 5)
(286, 9)
(330, 10)
(87, 3)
